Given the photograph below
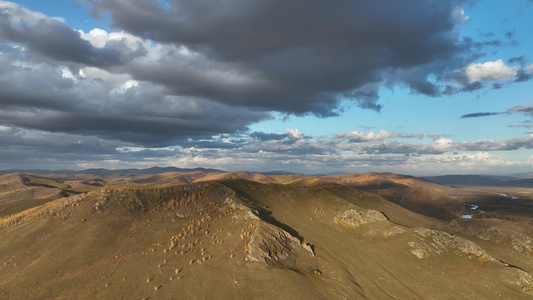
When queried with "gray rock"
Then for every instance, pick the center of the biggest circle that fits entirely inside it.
(356, 217)
(273, 246)
(521, 243)
(434, 242)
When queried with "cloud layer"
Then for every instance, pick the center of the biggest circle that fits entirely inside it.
(189, 68)
(187, 78)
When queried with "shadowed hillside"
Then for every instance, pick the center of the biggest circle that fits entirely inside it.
(478, 180)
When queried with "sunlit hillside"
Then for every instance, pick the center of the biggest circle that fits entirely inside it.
(241, 236)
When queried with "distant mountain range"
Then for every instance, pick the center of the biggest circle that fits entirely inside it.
(481, 180)
(134, 171)
(104, 172)
(516, 180)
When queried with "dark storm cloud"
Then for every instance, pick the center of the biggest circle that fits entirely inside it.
(57, 41)
(525, 109)
(474, 86)
(195, 75)
(219, 67)
(263, 136)
(522, 75)
(497, 85)
(300, 57)
(38, 96)
(521, 60)
(416, 79)
(21, 140)
(30, 149)
(141, 126)
(480, 114)
(142, 130)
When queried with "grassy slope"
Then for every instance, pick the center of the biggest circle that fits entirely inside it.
(114, 247)
(19, 192)
(81, 253)
(383, 266)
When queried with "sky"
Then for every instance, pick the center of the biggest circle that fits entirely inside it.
(419, 87)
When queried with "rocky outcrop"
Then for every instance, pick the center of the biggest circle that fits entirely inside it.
(234, 203)
(273, 245)
(394, 230)
(175, 198)
(518, 278)
(133, 201)
(521, 243)
(357, 217)
(434, 242)
(268, 243)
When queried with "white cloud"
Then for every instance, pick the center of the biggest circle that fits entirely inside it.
(530, 67)
(105, 76)
(358, 137)
(97, 37)
(294, 134)
(66, 73)
(130, 83)
(491, 70)
(458, 15)
(443, 145)
(465, 161)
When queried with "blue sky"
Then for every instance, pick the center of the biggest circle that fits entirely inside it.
(418, 87)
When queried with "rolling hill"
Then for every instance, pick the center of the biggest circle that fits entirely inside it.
(22, 191)
(240, 235)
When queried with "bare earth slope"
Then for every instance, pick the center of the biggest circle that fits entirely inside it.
(241, 239)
